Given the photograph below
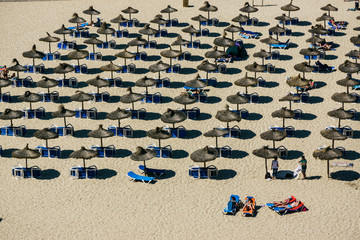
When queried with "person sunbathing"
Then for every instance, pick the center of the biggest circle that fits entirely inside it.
(249, 206)
(235, 204)
(338, 24)
(289, 205)
(282, 203)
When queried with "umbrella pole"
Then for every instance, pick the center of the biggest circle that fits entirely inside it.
(227, 125)
(208, 15)
(190, 37)
(159, 144)
(180, 47)
(132, 104)
(270, 48)
(328, 168)
(159, 75)
(64, 76)
(343, 105)
(303, 74)
(78, 62)
(290, 104)
(64, 121)
(170, 61)
(339, 123)
(309, 60)
(184, 109)
(11, 123)
(26, 165)
(49, 47)
(129, 16)
(216, 142)
(324, 23)
(173, 125)
(17, 73)
(91, 20)
(246, 90)
(34, 62)
(119, 27)
(333, 143)
(93, 48)
(169, 17)
(199, 25)
(146, 90)
(84, 162)
(112, 75)
(30, 106)
(118, 123)
(64, 37)
(263, 61)
(283, 122)
(148, 38)
(237, 107)
(266, 169)
(125, 61)
(48, 91)
(232, 35)
(207, 75)
(46, 142)
(289, 13)
(101, 142)
(273, 144)
(82, 105)
(255, 75)
(98, 91)
(137, 49)
(204, 164)
(106, 37)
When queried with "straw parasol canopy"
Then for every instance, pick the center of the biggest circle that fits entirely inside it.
(111, 67)
(215, 53)
(64, 68)
(332, 134)
(17, 67)
(237, 99)
(191, 30)
(49, 39)
(303, 67)
(324, 18)
(309, 52)
(343, 97)
(169, 53)
(125, 54)
(266, 153)
(348, 82)
(105, 30)
(10, 114)
(277, 30)
(223, 41)
(142, 154)
(248, 9)
(130, 11)
(76, 19)
(216, 132)
(158, 67)
(199, 18)
(341, 113)
(4, 83)
(26, 153)
(233, 29)
(227, 116)
(63, 113)
(204, 155)
(207, 67)
(255, 67)
(318, 29)
(353, 54)
(33, 53)
(262, 54)
(283, 113)
(355, 40)
(100, 133)
(315, 39)
(327, 154)
(240, 19)
(169, 10)
(290, 97)
(98, 82)
(84, 154)
(82, 97)
(63, 31)
(119, 19)
(180, 41)
(329, 8)
(290, 8)
(46, 82)
(246, 82)
(270, 40)
(196, 82)
(206, 7)
(118, 114)
(30, 97)
(349, 67)
(91, 11)
(138, 41)
(131, 97)
(46, 134)
(159, 20)
(146, 82)
(78, 54)
(273, 135)
(158, 133)
(283, 18)
(93, 41)
(173, 116)
(147, 30)
(185, 99)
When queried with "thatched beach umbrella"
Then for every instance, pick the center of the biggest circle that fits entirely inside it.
(270, 41)
(10, 114)
(145, 82)
(159, 20)
(266, 153)
(309, 52)
(283, 18)
(277, 30)
(131, 97)
(46, 82)
(82, 97)
(49, 39)
(332, 134)
(101, 133)
(169, 53)
(169, 10)
(78, 54)
(353, 54)
(227, 116)
(63, 68)
(196, 82)
(349, 67)
(283, 113)
(158, 133)
(290, 97)
(255, 67)
(125, 54)
(158, 67)
(63, 31)
(327, 154)
(215, 54)
(173, 116)
(262, 54)
(233, 29)
(191, 30)
(180, 41)
(30, 97)
(341, 113)
(355, 40)
(246, 82)
(199, 18)
(76, 19)
(237, 99)
(240, 19)
(26, 153)
(93, 41)
(343, 98)
(216, 132)
(143, 155)
(315, 39)
(185, 99)
(118, 114)
(98, 82)
(138, 41)
(206, 7)
(223, 41)
(303, 67)
(207, 67)
(204, 155)
(17, 67)
(324, 18)
(105, 30)
(91, 11)
(147, 30)
(111, 67)
(130, 11)
(119, 19)
(348, 82)
(329, 8)
(273, 135)
(63, 113)
(290, 7)
(46, 134)
(84, 154)
(4, 83)
(318, 29)
(248, 9)
(33, 53)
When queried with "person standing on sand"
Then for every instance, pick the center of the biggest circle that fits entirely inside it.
(275, 167)
(303, 163)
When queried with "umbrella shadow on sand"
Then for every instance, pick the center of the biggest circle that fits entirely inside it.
(237, 154)
(246, 134)
(183, 24)
(262, 24)
(223, 24)
(302, 133)
(141, 70)
(152, 116)
(345, 175)
(94, 71)
(225, 174)
(49, 174)
(196, 58)
(271, 84)
(139, 134)
(166, 99)
(65, 154)
(223, 84)
(188, 71)
(172, 35)
(351, 155)
(231, 71)
(284, 57)
(304, 23)
(122, 153)
(162, 46)
(64, 99)
(168, 174)
(213, 99)
(214, 34)
(114, 99)
(152, 58)
(106, 173)
(205, 46)
(204, 116)
(6, 153)
(293, 154)
(191, 134)
(315, 99)
(177, 84)
(83, 133)
(356, 134)
(108, 58)
(297, 34)
(30, 133)
(177, 154)
(254, 116)
(265, 99)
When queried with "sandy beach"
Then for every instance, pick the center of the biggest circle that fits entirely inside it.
(178, 206)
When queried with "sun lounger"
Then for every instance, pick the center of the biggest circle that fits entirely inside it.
(296, 206)
(232, 207)
(78, 172)
(248, 34)
(283, 45)
(286, 201)
(203, 172)
(155, 172)
(135, 177)
(249, 211)
(19, 171)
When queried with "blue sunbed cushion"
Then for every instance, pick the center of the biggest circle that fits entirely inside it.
(157, 172)
(135, 176)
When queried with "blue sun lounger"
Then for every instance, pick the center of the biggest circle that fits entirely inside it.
(155, 172)
(135, 177)
(282, 45)
(231, 208)
(248, 34)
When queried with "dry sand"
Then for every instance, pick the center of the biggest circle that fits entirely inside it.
(179, 207)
